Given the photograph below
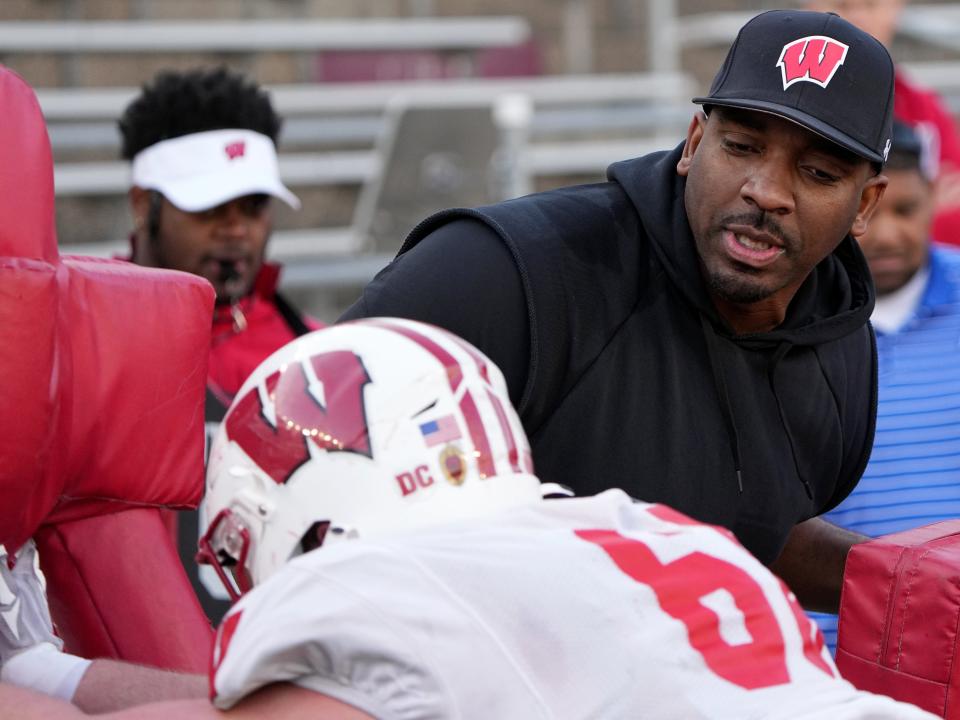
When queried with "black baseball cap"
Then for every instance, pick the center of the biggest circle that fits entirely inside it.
(913, 148)
(817, 70)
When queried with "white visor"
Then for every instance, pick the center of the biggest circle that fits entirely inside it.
(202, 170)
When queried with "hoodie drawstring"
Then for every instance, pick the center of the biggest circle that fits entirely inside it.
(720, 384)
(710, 337)
(782, 349)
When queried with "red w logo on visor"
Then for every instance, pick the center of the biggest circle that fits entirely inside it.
(329, 413)
(811, 59)
(235, 150)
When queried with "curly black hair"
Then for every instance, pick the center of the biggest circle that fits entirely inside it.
(179, 103)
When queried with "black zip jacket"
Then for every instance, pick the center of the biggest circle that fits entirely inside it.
(590, 299)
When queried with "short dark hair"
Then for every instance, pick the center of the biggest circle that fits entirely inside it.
(180, 103)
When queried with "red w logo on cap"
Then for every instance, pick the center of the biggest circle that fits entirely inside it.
(235, 150)
(811, 59)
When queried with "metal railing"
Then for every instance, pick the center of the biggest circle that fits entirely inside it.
(644, 111)
(246, 36)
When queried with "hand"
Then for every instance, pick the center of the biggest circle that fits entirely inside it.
(24, 614)
(812, 563)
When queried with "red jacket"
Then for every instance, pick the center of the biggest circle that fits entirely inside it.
(245, 335)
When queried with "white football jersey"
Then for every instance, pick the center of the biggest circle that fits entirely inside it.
(573, 608)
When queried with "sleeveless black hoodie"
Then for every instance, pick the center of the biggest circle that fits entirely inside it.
(634, 381)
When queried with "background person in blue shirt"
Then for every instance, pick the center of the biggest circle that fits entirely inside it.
(913, 477)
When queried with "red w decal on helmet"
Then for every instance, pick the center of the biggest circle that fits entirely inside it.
(812, 59)
(327, 410)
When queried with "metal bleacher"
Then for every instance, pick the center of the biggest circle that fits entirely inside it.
(333, 132)
(571, 115)
(248, 36)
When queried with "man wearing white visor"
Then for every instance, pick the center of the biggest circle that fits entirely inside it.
(202, 144)
(204, 169)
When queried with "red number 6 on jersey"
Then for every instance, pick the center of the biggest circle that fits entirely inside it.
(680, 587)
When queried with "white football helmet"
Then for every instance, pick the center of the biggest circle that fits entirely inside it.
(360, 429)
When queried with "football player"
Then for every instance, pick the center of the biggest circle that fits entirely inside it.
(373, 507)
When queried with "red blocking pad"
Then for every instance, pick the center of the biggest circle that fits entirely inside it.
(899, 628)
(102, 378)
(135, 604)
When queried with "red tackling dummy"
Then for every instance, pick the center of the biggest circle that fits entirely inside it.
(899, 631)
(102, 374)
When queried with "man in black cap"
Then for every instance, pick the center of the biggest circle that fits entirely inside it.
(695, 329)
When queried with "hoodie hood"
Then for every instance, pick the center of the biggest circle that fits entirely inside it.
(835, 300)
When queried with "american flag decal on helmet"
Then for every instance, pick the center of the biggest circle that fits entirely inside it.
(440, 430)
